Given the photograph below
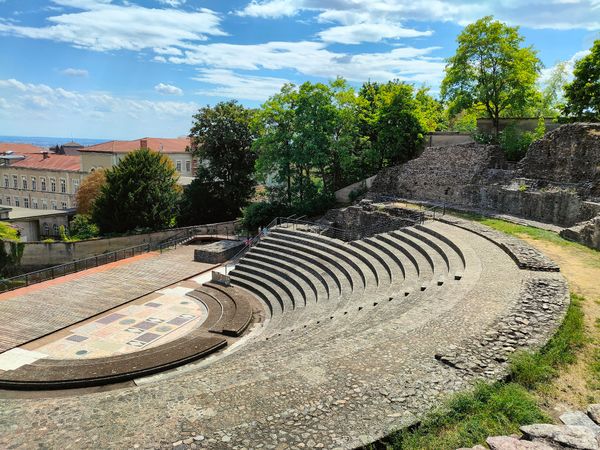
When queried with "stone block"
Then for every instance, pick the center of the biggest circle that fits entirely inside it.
(573, 436)
(512, 443)
(581, 419)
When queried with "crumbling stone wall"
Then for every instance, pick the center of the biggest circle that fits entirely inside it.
(366, 219)
(554, 183)
(586, 233)
(569, 154)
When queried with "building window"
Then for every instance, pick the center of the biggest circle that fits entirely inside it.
(44, 204)
(43, 183)
(53, 204)
(63, 205)
(75, 186)
(33, 184)
(63, 185)
(188, 166)
(46, 229)
(34, 203)
(24, 182)
(8, 200)
(6, 184)
(52, 184)
(17, 201)
(178, 165)
(0, 200)
(15, 182)
(55, 229)
(26, 202)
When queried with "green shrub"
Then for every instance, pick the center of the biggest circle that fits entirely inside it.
(82, 227)
(260, 214)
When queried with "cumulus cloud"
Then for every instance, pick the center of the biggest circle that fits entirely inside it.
(168, 89)
(103, 26)
(71, 72)
(556, 14)
(55, 106)
(226, 83)
(173, 3)
(368, 32)
(314, 59)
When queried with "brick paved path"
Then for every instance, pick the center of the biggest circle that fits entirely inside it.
(29, 313)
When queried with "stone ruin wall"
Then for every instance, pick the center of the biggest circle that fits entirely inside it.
(557, 182)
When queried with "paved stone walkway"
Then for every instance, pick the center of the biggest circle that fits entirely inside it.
(30, 313)
(344, 382)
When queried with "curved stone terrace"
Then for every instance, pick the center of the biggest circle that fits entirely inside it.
(352, 341)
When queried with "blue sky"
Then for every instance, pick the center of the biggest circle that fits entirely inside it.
(125, 69)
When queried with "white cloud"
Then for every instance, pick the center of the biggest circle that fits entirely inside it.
(271, 9)
(368, 32)
(53, 107)
(104, 26)
(71, 72)
(173, 3)
(168, 89)
(557, 14)
(569, 67)
(314, 59)
(232, 85)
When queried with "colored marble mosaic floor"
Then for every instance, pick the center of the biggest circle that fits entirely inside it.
(30, 313)
(128, 329)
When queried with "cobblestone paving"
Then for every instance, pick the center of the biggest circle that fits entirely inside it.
(343, 383)
(59, 303)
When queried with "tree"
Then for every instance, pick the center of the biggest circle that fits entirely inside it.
(89, 190)
(222, 139)
(140, 192)
(553, 91)
(492, 68)
(583, 94)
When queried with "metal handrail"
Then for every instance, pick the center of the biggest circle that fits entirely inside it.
(37, 276)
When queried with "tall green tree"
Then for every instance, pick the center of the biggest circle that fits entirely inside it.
(221, 138)
(583, 94)
(553, 90)
(491, 67)
(139, 192)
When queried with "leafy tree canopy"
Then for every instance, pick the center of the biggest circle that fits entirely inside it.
(583, 94)
(491, 67)
(222, 139)
(89, 190)
(141, 191)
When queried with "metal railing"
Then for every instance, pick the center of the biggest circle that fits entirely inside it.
(38, 276)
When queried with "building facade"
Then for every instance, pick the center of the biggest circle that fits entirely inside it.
(108, 154)
(40, 181)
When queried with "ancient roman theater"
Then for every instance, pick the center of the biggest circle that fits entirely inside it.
(316, 337)
(324, 333)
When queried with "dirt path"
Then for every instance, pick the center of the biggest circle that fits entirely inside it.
(577, 385)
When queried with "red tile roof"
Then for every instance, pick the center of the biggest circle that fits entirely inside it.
(53, 162)
(166, 145)
(20, 148)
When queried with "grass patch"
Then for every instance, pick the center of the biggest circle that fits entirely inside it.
(591, 256)
(499, 408)
(469, 418)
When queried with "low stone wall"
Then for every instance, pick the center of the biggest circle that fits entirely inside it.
(218, 252)
(38, 255)
(586, 233)
(343, 195)
(365, 219)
